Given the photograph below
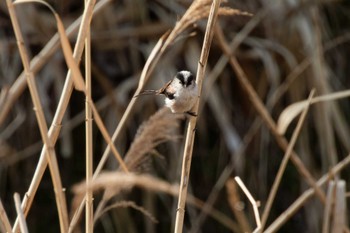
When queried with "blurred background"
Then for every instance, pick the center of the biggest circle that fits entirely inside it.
(294, 47)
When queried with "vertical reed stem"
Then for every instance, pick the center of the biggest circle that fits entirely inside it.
(89, 211)
(187, 156)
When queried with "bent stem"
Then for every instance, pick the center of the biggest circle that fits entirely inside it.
(252, 201)
(187, 156)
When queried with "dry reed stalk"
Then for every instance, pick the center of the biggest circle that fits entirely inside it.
(328, 207)
(40, 60)
(4, 219)
(188, 149)
(319, 76)
(89, 208)
(234, 201)
(297, 204)
(339, 214)
(120, 181)
(293, 110)
(254, 203)
(22, 219)
(284, 163)
(62, 106)
(127, 204)
(50, 154)
(124, 181)
(198, 10)
(266, 117)
(105, 134)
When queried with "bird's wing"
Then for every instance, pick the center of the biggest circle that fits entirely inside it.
(163, 89)
(167, 90)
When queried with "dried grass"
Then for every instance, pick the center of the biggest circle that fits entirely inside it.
(284, 56)
(129, 204)
(119, 181)
(198, 10)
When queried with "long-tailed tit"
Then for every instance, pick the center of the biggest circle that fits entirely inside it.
(181, 93)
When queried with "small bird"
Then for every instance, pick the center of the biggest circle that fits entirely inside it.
(180, 93)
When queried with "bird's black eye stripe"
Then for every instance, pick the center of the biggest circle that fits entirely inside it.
(190, 79)
(180, 77)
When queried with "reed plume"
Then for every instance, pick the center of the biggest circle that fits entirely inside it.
(161, 127)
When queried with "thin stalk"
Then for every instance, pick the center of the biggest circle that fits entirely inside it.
(328, 208)
(22, 220)
(89, 211)
(252, 201)
(4, 219)
(234, 200)
(105, 135)
(50, 154)
(187, 155)
(284, 163)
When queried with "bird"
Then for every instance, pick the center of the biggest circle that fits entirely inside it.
(180, 93)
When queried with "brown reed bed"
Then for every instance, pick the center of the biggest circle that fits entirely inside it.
(118, 158)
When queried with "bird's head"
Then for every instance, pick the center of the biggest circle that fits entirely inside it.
(185, 78)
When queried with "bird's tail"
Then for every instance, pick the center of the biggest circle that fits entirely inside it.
(147, 92)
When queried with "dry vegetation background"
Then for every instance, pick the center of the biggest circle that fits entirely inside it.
(265, 56)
